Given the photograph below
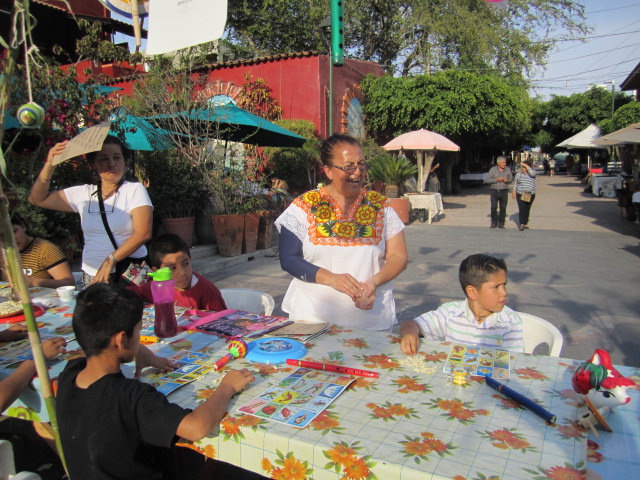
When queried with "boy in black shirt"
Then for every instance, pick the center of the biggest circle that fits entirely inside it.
(115, 427)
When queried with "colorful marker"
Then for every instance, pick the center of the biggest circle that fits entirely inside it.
(328, 367)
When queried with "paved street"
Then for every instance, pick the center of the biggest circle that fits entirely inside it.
(577, 267)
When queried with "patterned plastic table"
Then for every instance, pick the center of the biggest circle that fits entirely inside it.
(406, 424)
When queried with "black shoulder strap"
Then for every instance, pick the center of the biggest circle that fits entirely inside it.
(103, 214)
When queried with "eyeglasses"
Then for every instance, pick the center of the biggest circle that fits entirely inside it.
(351, 169)
(94, 204)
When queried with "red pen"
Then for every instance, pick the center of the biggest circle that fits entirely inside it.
(328, 367)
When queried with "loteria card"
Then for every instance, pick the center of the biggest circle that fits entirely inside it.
(480, 361)
(298, 398)
(193, 365)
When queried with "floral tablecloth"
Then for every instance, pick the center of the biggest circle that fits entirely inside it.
(406, 424)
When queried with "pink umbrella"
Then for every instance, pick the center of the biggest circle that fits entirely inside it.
(423, 141)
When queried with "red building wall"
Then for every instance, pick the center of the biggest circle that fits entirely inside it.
(299, 82)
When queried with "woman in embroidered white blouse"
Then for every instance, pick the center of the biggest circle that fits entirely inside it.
(343, 245)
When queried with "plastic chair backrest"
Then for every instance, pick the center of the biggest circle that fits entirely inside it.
(7, 466)
(77, 277)
(249, 300)
(537, 331)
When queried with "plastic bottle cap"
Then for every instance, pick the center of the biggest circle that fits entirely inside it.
(161, 274)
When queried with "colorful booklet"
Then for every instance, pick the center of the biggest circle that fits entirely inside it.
(482, 361)
(238, 323)
(193, 365)
(298, 398)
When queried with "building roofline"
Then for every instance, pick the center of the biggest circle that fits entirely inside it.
(633, 76)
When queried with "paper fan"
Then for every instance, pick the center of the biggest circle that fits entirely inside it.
(123, 7)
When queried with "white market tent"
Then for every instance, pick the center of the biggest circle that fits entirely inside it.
(584, 140)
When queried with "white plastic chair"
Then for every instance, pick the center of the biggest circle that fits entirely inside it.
(249, 300)
(7, 465)
(538, 331)
(77, 277)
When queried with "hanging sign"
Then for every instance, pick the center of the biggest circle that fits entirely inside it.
(176, 24)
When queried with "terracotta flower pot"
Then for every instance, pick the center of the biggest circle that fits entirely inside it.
(265, 230)
(250, 238)
(402, 207)
(183, 227)
(229, 230)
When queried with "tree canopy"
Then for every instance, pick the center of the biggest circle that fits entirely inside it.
(413, 36)
(624, 116)
(477, 111)
(565, 116)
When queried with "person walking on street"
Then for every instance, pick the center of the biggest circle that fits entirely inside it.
(499, 178)
(524, 192)
(552, 166)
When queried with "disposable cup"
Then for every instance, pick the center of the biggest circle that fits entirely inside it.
(66, 293)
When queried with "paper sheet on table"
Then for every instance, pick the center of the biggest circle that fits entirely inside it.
(90, 140)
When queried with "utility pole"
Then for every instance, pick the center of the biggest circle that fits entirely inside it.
(613, 97)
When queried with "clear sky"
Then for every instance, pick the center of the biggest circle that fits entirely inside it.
(609, 53)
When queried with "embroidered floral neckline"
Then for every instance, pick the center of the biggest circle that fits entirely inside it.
(328, 225)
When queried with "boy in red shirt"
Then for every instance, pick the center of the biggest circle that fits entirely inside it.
(192, 290)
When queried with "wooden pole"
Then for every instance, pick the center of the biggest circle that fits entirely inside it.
(420, 161)
(12, 257)
(135, 17)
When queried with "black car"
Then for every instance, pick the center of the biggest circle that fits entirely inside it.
(561, 165)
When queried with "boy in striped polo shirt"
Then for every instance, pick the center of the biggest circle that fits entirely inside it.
(482, 319)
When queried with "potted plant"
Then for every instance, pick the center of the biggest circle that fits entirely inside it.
(393, 171)
(175, 189)
(236, 198)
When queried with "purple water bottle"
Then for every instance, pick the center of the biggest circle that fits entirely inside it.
(162, 286)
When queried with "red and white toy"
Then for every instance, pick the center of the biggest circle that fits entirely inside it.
(601, 383)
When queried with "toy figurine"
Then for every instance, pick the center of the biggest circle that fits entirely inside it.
(237, 349)
(601, 384)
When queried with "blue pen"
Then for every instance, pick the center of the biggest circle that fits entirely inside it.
(521, 399)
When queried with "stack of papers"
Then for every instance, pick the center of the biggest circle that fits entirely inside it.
(303, 332)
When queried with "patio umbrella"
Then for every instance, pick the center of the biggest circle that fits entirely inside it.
(423, 141)
(138, 132)
(232, 123)
(630, 134)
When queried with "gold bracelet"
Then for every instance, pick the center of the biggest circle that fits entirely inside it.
(42, 179)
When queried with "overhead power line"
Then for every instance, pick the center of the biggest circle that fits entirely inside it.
(570, 76)
(594, 54)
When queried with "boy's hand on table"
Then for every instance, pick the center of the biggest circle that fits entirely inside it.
(17, 332)
(53, 346)
(146, 358)
(409, 343)
(237, 379)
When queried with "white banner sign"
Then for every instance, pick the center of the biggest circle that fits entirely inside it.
(176, 24)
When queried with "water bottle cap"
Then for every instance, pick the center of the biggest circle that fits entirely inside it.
(161, 274)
